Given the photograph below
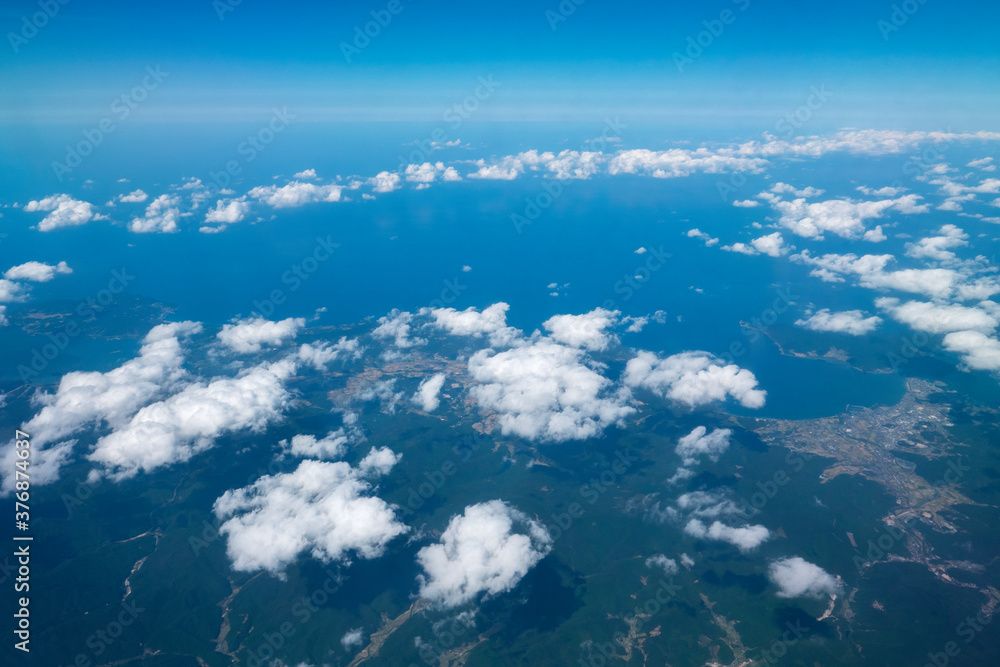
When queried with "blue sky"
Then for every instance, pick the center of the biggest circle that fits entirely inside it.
(940, 66)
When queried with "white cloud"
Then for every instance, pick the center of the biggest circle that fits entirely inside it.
(986, 164)
(248, 336)
(490, 322)
(134, 197)
(843, 217)
(785, 188)
(851, 322)
(875, 235)
(747, 203)
(745, 538)
(175, 429)
(699, 443)
(545, 391)
(772, 245)
(588, 331)
(428, 173)
(322, 508)
(85, 399)
(693, 378)
(305, 173)
(661, 562)
(677, 162)
(37, 272)
(331, 446)
(979, 352)
(161, 216)
(480, 552)
(797, 578)
(704, 236)
(741, 248)
(881, 192)
(427, 393)
(940, 318)
(396, 325)
(65, 212)
(296, 193)
(319, 354)
(385, 181)
(870, 272)
(228, 211)
(939, 247)
(354, 636)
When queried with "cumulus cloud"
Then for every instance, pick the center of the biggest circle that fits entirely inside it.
(870, 271)
(843, 217)
(942, 318)
(84, 399)
(161, 216)
(661, 562)
(37, 272)
(747, 203)
(545, 391)
(745, 538)
(796, 578)
(354, 636)
(490, 322)
(322, 508)
(188, 422)
(772, 245)
(851, 322)
(939, 247)
(250, 335)
(296, 193)
(305, 173)
(64, 211)
(228, 211)
(704, 236)
(985, 164)
(384, 181)
(693, 378)
(134, 197)
(677, 162)
(699, 443)
(588, 331)
(874, 235)
(396, 326)
(427, 173)
(741, 248)
(480, 553)
(331, 446)
(427, 393)
(320, 354)
(978, 351)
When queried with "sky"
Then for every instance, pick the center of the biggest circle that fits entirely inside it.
(918, 66)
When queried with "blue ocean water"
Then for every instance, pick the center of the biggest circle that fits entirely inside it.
(406, 249)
